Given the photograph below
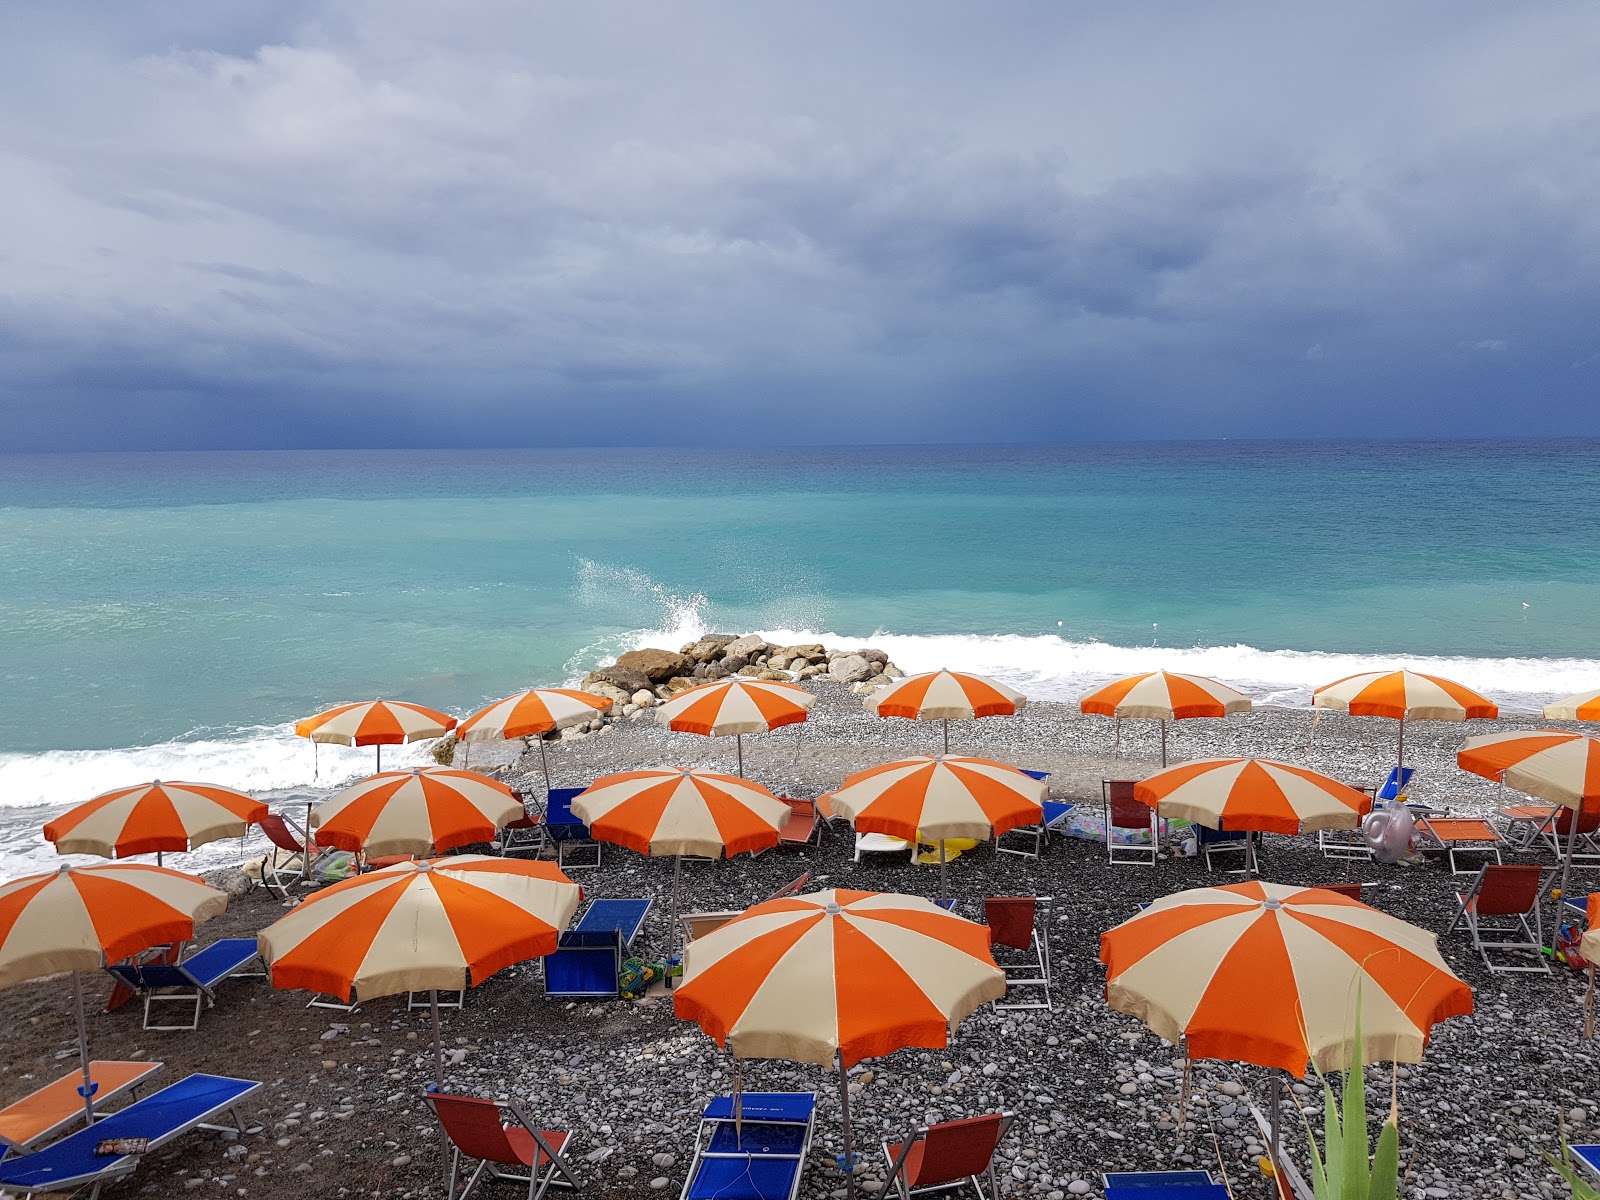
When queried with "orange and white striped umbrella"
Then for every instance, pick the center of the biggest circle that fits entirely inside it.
(837, 973)
(937, 798)
(676, 810)
(1254, 794)
(424, 810)
(440, 924)
(740, 705)
(152, 818)
(1270, 974)
(1585, 706)
(377, 723)
(81, 918)
(945, 696)
(1403, 695)
(531, 713)
(1164, 696)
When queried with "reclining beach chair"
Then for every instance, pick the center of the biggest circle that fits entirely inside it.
(882, 843)
(752, 1147)
(1346, 843)
(1501, 912)
(589, 957)
(1029, 840)
(190, 981)
(803, 827)
(525, 833)
(1021, 923)
(56, 1107)
(947, 1155)
(295, 857)
(1586, 1158)
(1125, 813)
(514, 1149)
(1458, 835)
(72, 1163)
(698, 924)
(1586, 848)
(1163, 1185)
(1218, 843)
(575, 849)
(1521, 824)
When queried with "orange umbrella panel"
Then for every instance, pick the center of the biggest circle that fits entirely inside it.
(151, 818)
(423, 810)
(376, 723)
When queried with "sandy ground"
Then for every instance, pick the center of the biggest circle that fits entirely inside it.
(1091, 1088)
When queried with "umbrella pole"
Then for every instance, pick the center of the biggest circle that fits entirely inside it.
(677, 874)
(438, 1071)
(88, 1089)
(944, 873)
(738, 740)
(1402, 754)
(379, 749)
(848, 1159)
(544, 757)
(1117, 724)
(947, 735)
(1277, 1122)
(1566, 870)
(1163, 743)
(305, 848)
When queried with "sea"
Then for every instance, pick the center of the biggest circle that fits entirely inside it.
(170, 615)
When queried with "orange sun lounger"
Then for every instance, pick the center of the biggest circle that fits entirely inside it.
(58, 1106)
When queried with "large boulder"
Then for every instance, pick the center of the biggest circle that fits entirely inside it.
(852, 668)
(609, 691)
(643, 698)
(618, 676)
(657, 666)
(746, 647)
(812, 652)
(873, 655)
(735, 662)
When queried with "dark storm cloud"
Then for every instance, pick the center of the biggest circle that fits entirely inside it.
(376, 223)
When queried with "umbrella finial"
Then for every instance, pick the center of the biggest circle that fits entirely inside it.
(1272, 903)
(832, 908)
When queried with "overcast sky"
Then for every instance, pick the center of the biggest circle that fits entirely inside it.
(385, 222)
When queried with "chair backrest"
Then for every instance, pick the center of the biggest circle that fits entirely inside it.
(1352, 890)
(1589, 824)
(1010, 920)
(1399, 781)
(1504, 891)
(279, 833)
(474, 1127)
(558, 806)
(1123, 811)
(1205, 834)
(956, 1149)
(793, 888)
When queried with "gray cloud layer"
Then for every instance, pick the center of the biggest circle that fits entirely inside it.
(391, 222)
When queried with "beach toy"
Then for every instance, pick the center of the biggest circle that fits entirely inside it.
(1388, 833)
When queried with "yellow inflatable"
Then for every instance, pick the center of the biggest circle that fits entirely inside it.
(953, 847)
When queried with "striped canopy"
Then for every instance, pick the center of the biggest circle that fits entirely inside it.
(531, 713)
(436, 925)
(1585, 706)
(945, 696)
(375, 723)
(423, 810)
(1404, 695)
(1163, 695)
(1552, 764)
(854, 973)
(148, 818)
(675, 810)
(81, 918)
(1255, 794)
(736, 706)
(938, 798)
(1269, 974)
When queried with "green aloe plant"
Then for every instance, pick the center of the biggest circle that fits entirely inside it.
(1342, 1169)
(1582, 1189)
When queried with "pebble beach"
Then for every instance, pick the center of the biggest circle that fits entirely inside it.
(1092, 1089)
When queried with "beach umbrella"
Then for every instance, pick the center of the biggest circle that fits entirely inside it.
(1585, 706)
(1254, 794)
(533, 713)
(1270, 974)
(80, 919)
(945, 696)
(423, 810)
(153, 818)
(678, 811)
(377, 723)
(437, 925)
(1403, 695)
(1552, 764)
(734, 707)
(940, 798)
(834, 977)
(1164, 696)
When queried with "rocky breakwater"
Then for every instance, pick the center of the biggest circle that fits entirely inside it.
(641, 679)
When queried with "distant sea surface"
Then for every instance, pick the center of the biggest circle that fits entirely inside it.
(170, 615)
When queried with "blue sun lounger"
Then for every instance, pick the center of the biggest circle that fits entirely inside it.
(758, 1156)
(1163, 1185)
(191, 981)
(1586, 1157)
(568, 833)
(160, 1117)
(1034, 837)
(589, 958)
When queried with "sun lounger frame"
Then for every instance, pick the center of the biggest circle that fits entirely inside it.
(1430, 838)
(1511, 949)
(159, 982)
(72, 1109)
(570, 835)
(756, 1109)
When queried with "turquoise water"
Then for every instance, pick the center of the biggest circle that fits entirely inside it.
(183, 608)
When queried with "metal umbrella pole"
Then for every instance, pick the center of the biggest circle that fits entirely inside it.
(738, 739)
(1566, 871)
(438, 1079)
(545, 759)
(677, 874)
(1402, 753)
(944, 873)
(848, 1159)
(89, 1087)
(947, 735)
(1163, 743)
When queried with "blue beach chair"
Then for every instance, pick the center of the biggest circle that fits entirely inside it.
(570, 835)
(760, 1154)
(1397, 785)
(588, 960)
(1029, 840)
(1163, 1185)
(160, 1117)
(191, 981)
(1211, 842)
